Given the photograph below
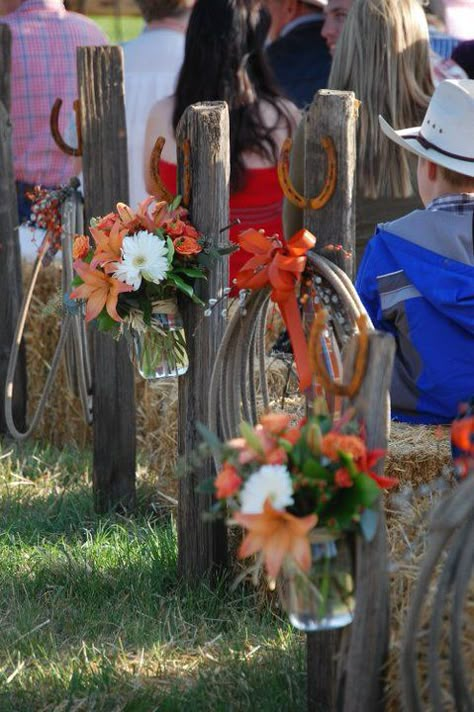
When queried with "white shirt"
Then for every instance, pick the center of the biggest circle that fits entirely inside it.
(152, 62)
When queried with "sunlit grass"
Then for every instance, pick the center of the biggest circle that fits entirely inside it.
(119, 28)
(92, 616)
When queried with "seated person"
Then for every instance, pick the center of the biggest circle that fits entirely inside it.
(230, 66)
(416, 279)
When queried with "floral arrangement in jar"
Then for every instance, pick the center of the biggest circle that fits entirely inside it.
(129, 276)
(297, 491)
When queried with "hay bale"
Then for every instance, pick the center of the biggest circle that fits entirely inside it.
(409, 541)
(417, 453)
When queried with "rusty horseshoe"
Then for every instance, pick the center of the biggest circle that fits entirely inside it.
(339, 389)
(289, 190)
(54, 126)
(159, 188)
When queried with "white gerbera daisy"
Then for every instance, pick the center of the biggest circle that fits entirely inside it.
(271, 482)
(143, 255)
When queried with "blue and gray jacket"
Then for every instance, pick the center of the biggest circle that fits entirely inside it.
(416, 281)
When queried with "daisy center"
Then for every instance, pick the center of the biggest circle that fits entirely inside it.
(139, 261)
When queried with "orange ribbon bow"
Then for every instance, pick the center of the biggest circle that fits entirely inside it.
(280, 264)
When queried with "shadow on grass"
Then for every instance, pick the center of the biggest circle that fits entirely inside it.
(266, 679)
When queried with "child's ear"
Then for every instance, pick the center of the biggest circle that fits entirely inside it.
(432, 170)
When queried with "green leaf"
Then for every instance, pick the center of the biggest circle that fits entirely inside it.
(206, 487)
(312, 469)
(367, 489)
(174, 205)
(248, 433)
(181, 284)
(368, 523)
(222, 251)
(190, 272)
(170, 254)
(209, 437)
(105, 322)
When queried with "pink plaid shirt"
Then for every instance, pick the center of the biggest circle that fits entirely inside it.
(44, 41)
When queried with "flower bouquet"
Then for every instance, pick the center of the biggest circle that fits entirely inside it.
(129, 277)
(297, 491)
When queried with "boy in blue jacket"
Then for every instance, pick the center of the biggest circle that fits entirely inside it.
(416, 278)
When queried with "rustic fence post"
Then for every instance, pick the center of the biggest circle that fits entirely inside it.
(369, 635)
(10, 254)
(202, 546)
(332, 114)
(104, 143)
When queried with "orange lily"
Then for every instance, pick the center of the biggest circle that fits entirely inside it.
(99, 289)
(280, 265)
(276, 534)
(108, 246)
(462, 434)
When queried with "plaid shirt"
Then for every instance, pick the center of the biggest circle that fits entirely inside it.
(44, 41)
(461, 203)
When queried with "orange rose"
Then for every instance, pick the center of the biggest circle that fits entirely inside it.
(187, 246)
(332, 443)
(80, 247)
(227, 481)
(275, 423)
(190, 231)
(175, 228)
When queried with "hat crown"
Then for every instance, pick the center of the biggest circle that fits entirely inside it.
(449, 120)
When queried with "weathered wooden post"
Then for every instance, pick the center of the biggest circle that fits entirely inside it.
(369, 632)
(104, 142)
(10, 255)
(332, 114)
(352, 681)
(202, 546)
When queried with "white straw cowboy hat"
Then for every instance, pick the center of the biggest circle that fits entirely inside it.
(446, 136)
(317, 3)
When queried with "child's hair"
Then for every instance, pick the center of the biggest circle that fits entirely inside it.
(383, 57)
(457, 180)
(159, 9)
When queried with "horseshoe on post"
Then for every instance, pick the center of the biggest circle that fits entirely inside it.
(54, 126)
(159, 188)
(339, 389)
(289, 190)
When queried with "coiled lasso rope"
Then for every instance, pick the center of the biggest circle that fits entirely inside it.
(72, 337)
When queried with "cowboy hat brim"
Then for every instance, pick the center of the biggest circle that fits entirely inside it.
(406, 138)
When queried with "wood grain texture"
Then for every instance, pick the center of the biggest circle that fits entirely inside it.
(368, 647)
(101, 94)
(202, 546)
(5, 65)
(10, 254)
(334, 114)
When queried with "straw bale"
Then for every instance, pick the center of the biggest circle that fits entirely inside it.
(409, 541)
(417, 453)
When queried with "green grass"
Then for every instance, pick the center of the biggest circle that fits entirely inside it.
(119, 29)
(92, 616)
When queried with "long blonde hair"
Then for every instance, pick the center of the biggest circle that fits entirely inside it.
(382, 56)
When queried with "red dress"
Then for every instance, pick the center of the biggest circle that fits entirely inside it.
(258, 205)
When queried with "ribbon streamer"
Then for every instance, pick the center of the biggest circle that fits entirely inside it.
(279, 264)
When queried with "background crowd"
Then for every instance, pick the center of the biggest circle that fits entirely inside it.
(267, 59)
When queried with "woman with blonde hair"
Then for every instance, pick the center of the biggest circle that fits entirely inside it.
(382, 55)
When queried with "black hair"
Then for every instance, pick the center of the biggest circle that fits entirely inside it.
(224, 61)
